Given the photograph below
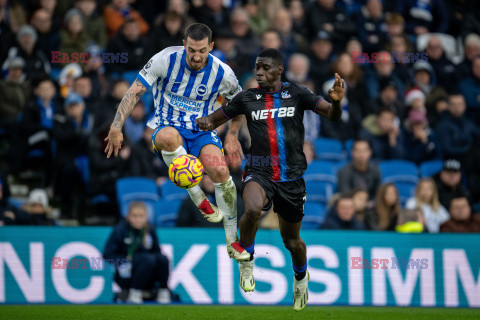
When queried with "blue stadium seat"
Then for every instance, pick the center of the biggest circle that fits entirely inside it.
(429, 168)
(170, 191)
(404, 174)
(329, 149)
(166, 212)
(321, 181)
(136, 189)
(314, 215)
(348, 148)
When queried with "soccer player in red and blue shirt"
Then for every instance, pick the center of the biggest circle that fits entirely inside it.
(276, 163)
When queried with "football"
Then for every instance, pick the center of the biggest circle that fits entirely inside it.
(185, 171)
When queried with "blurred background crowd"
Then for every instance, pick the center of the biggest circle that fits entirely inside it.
(418, 105)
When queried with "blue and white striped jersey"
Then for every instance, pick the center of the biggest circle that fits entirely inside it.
(181, 94)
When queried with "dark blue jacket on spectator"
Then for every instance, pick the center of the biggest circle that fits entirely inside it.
(123, 235)
(470, 88)
(333, 222)
(381, 149)
(446, 73)
(372, 32)
(431, 14)
(418, 151)
(456, 135)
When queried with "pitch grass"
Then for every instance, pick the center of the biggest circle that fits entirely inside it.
(143, 312)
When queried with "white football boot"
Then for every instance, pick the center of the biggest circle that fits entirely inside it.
(210, 211)
(247, 282)
(236, 251)
(300, 292)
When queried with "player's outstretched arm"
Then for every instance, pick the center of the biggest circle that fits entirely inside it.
(115, 136)
(232, 145)
(333, 111)
(212, 121)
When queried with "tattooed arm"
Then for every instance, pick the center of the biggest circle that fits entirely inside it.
(115, 136)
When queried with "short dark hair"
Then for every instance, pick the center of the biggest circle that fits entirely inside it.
(198, 32)
(273, 54)
(358, 140)
(386, 109)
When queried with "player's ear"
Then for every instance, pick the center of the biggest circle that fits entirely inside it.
(210, 47)
(184, 44)
(280, 69)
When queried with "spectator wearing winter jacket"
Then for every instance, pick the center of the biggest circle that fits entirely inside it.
(420, 140)
(421, 18)
(342, 216)
(455, 131)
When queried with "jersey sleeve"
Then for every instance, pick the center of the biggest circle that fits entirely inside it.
(234, 107)
(154, 69)
(309, 100)
(230, 88)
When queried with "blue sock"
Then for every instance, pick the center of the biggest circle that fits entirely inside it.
(300, 272)
(250, 248)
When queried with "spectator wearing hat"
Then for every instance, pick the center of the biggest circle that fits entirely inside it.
(48, 36)
(71, 133)
(117, 13)
(421, 18)
(15, 92)
(38, 209)
(384, 135)
(382, 71)
(36, 62)
(415, 99)
(94, 24)
(449, 182)
(420, 141)
(444, 69)
(388, 98)
(73, 37)
(321, 58)
(461, 217)
(371, 26)
(324, 15)
(129, 41)
(457, 134)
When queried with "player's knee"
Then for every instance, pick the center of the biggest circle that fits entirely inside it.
(219, 174)
(168, 139)
(292, 244)
(253, 212)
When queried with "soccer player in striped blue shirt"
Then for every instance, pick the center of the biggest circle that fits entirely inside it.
(186, 83)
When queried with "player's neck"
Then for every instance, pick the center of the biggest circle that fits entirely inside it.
(275, 86)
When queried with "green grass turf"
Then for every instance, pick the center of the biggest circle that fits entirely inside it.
(118, 312)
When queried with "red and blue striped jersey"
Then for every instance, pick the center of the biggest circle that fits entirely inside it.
(275, 123)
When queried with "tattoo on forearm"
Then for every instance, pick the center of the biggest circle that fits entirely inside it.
(336, 111)
(128, 102)
(235, 125)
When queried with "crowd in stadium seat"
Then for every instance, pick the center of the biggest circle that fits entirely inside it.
(412, 102)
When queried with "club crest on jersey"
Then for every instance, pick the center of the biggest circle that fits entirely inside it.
(286, 95)
(259, 96)
(201, 90)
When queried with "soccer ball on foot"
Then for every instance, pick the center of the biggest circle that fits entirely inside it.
(185, 171)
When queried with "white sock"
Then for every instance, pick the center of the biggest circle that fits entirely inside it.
(226, 197)
(196, 194)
